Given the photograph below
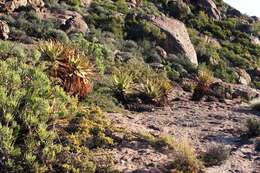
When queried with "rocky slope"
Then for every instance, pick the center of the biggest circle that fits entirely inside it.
(203, 123)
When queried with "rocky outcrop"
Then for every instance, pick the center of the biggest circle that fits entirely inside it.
(243, 77)
(212, 41)
(177, 39)
(210, 7)
(4, 30)
(75, 24)
(35, 4)
(232, 12)
(224, 90)
(12, 5)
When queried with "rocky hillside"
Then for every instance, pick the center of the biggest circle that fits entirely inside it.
(128, 86)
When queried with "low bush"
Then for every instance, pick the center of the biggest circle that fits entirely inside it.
(205, 79)
(253, 127)
(58, 35)
(184, 156)
(41, 127)
(104, 98)
(185, 159)
(178, 9)
(215, 155)
(95, 50)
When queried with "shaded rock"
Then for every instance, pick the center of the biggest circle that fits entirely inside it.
(224, 90)
(152, 170)
(245, 27)
(257, 144)
(210, 7)
(75, 24)
(178, 9)
(4, 30)
(221, 90)
(161, 52)
(245, 92)
(232, 12)
(243, 77)
(256, 72)
(177, 38)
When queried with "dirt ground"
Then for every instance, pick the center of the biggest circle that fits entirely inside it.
(203, 123)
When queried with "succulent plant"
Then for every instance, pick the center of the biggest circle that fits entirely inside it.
(155, 89)
(69, 65)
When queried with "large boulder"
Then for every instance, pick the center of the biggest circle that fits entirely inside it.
(177, 39)
(11, 5)
(210, 7)
(4, 30)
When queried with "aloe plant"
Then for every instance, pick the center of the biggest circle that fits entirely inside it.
(155, 89)
(72, 67)
(122, 81)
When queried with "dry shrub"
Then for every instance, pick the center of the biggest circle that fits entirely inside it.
(216, 154)
(205, 79)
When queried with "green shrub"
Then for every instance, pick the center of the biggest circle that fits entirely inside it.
(178, 9)
(103, 97)
(105, 14)
(94, 49)
(27, 108)
(30, 23)
(73, 2)
(58, 35)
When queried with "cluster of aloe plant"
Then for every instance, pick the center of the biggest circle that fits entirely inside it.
(156, 89)
(70, 66)
(142, 83)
